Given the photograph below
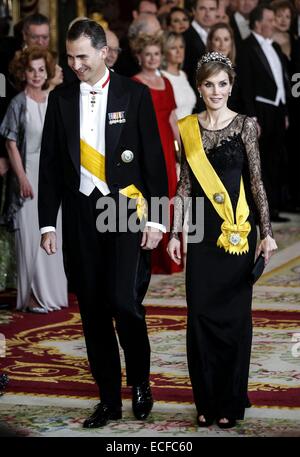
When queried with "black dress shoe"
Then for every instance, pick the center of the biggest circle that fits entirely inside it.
(101, 416)
(142, 400)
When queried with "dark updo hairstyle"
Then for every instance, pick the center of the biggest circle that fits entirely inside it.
(211, 68)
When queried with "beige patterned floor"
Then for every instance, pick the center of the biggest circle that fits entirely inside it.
(278, 290)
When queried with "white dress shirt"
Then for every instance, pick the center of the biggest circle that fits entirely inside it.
(201, 31)
(276, 68)
(92, 129)
(243, 25)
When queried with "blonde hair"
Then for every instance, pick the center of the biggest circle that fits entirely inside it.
(168, 40)
(143, 40)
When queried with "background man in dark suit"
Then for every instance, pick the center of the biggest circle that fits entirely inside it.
(113, 48)
(239, 21)
(204, 12)
(264, 89)
(144, 7)
(109, 119)
(146, 23)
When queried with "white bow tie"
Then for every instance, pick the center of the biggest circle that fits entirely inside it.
(269, 41)
(86, 89)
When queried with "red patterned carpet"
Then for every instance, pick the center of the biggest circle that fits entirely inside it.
(46, 356)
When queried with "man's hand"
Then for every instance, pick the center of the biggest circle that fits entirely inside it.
(48, 242)
(151, 238)
(57, 78)
(287, 122)
(4, 166)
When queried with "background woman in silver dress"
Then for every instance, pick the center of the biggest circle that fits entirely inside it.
(41, 281)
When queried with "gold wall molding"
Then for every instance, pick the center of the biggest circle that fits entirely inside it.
(53, 16)
(44, 7)
(81, 8)
(16, 12)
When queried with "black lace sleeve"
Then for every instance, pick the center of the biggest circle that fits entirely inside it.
(183, 191)
(250, 139)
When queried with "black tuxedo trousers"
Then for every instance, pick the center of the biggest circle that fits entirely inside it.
(110, 274)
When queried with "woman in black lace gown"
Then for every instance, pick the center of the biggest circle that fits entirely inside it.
(226, 173)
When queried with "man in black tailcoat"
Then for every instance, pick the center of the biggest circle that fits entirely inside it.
(264, 89)
(101, 145)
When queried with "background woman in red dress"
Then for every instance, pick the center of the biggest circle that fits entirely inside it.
(148, 50)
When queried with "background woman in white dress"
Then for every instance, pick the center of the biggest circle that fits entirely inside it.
(185, 98)
(173, 57)
(41, 280)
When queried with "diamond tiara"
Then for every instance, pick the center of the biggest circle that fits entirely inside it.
(214, 57)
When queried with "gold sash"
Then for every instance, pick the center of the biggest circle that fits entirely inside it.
(234, 230)
(141, 206)
(94, 162)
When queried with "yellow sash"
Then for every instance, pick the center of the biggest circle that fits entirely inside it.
(94, 162)
(141, 206)
(234, 230)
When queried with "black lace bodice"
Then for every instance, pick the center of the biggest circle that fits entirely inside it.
(232, 150)
(229, 153)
